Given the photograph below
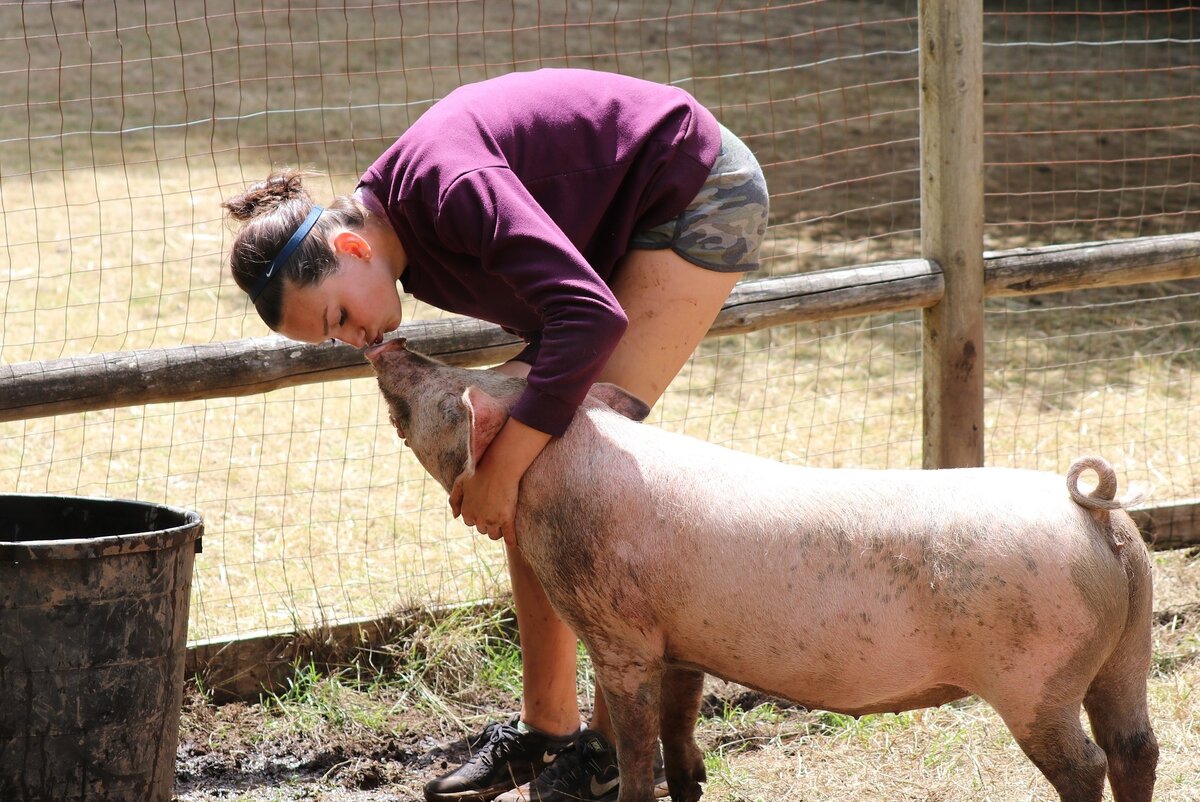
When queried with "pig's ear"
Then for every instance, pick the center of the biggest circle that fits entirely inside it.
(487, 415)
(621, 400)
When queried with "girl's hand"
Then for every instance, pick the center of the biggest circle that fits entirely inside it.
(487, 500)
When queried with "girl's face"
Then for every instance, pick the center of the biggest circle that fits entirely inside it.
(356, 304)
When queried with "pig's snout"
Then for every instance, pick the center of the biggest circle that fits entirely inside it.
(373, 352)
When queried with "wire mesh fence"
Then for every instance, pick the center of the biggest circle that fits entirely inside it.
(124, 124)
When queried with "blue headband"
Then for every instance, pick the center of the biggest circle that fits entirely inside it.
(282, 257)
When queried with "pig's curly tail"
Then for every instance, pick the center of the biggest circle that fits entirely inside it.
(1104, 497)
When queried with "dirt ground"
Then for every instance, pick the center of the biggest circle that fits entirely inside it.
(245, 764)
(230, 752)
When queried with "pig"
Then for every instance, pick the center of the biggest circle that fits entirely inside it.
(853, 591)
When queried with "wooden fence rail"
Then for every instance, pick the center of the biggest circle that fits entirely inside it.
(251, 366)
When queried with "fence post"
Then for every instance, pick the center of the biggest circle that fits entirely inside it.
(951, 88)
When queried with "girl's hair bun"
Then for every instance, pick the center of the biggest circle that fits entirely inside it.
(266, 196)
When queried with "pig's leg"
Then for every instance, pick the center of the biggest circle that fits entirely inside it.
(1116, 699)
(633, 692)
(1054, 740)
(1116, 707)
(681, 692)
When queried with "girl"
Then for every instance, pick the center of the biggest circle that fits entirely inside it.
(603, 219)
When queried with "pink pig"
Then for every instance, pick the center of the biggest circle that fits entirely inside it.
(855, 591)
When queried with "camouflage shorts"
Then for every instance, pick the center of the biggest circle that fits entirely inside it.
(724, 225)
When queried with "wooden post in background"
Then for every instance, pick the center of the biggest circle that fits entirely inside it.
(951, 87)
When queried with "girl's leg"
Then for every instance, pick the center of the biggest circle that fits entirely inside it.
(671, 303)
(548, 647)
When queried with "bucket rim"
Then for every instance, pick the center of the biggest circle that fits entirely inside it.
(190, 528)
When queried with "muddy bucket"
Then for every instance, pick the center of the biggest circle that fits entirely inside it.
(93, 636)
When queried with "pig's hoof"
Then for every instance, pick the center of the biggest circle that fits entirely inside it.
(685, 786)
(690, 792)
(685, 772)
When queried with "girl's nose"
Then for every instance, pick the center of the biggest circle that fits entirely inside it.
(357, 339)
(353, 334)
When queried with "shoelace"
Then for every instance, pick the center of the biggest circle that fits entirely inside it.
(483, 737)
(500, 740)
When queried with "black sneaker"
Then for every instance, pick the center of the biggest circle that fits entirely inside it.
(587, 772)
(504, 758)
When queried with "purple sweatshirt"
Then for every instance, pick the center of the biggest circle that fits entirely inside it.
(515, 197)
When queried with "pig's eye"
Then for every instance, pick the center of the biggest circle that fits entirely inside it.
(399, 412)
(399, 426)
(451, 408)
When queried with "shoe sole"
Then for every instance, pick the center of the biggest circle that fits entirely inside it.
(660, 792)
(484, 795)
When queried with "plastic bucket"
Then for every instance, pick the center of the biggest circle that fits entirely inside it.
(93, 636)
